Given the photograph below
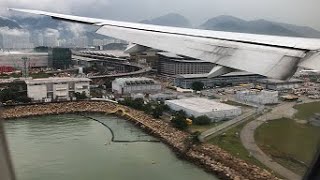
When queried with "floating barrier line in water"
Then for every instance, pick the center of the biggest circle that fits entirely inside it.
(112, 133)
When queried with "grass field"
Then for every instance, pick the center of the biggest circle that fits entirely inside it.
(289, 143)
(230, 141)
(202, 128)
(305, 111)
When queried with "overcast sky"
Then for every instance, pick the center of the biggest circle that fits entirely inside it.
(300, 12)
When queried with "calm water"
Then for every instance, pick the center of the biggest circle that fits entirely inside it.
(75, 147)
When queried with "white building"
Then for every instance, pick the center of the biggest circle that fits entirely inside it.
(280, 85)
(163, 96)
(200, 106)
(258, 97)
(48, 89)
(135, 85)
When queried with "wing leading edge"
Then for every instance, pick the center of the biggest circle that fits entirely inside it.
(271, 56)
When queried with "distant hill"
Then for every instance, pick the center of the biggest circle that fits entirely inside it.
(5, 22)
(37, 23)
(233, 24)
(171, 19)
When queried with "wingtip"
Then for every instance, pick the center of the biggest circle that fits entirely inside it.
(12, 9)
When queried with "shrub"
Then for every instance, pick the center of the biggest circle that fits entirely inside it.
(179, 123)
(202, 120)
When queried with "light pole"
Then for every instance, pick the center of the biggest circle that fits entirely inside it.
(25, 67)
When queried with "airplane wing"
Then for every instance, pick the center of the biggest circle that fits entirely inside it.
(271, 56)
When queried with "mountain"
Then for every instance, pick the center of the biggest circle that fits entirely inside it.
(42, 24)
(37, 23)
(171, 19)
(305, 30)
(233, 24)
(5, 22)
(261, 26)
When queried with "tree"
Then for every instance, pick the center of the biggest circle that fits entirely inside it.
(147, 108)
(157, 111)
(202, 120)
(179, 122)
(14, 93)
(80, 96)
(134, 103)
(197, 86)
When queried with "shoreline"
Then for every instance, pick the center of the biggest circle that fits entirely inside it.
(209, 157)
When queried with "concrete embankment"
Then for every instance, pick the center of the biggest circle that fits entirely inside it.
(209, 157)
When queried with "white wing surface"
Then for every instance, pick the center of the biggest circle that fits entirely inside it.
(272, 56)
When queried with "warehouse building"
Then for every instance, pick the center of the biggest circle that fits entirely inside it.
(135, 85)
(172, 64)
(163, 96)
(55, 89)
(258, 97)
(200, 106)
(233, 78)
(279, 85)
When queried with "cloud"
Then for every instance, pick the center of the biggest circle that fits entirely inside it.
(76, 29)
(13, 32)
(62, 6)
(50, 31)
(288, 11)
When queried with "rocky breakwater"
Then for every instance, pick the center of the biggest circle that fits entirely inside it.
(210, 157)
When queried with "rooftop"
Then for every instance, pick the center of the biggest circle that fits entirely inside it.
(114, 53)
(8, 53)
(135, 81)
(205, 75)
(292, 80)
(56, 80)
(201, 105)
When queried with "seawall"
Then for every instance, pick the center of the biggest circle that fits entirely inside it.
(210, 157)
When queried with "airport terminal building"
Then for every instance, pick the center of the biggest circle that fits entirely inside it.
(233, 78)
(172, 64)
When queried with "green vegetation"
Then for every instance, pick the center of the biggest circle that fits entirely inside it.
(202, 120)
(153, 108)
(14, 75)
(305, 111)
(41, 49)
(230, 141)
(39, 75)
(291, 144)
(197, 86)
(14, 93)
(202, 128)
(33, 75)
(80, 96)
(179, 120)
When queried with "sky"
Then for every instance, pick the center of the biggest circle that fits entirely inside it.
(299, 12)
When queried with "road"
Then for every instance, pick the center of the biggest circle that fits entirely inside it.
(248, 141)
(225, 126)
